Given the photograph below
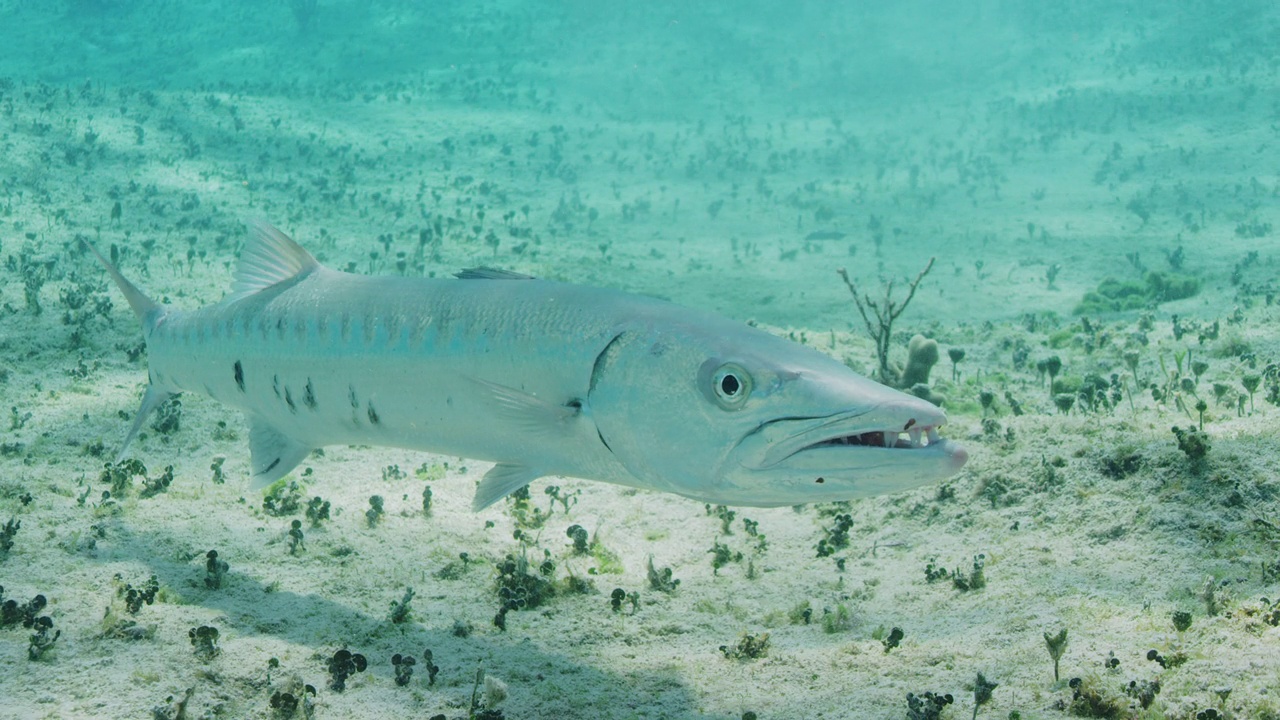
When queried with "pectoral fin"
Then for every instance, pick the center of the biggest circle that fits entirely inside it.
(272, 453)
(500, 482)
(530, 413)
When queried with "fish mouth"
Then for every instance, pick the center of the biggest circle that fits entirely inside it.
(897, 432)
(913, 437)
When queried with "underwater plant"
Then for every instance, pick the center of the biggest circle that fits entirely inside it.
(956, 354)
(400, 609)
(204, 642)
(215, 570)
(661, 580)
(317, 510)
(893, 639)
(749, 647)
(403, 665)
(928, 706)
(1193, 442)
(295, 537)
(982, 690)
(343, 665)
(1057, 644)
(885, 312)
(922, 355)
(375, 512)
(7, 533)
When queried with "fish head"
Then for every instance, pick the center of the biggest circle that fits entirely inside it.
(733, 415)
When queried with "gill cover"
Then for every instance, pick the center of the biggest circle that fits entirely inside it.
(668, 412)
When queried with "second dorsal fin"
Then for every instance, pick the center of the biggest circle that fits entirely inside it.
(269, 257)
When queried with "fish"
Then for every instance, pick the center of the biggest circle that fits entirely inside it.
(541, 378)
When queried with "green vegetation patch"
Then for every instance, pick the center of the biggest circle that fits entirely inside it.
(1155, 287)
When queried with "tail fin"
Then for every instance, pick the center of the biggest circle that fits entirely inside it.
(147, 310)
(149, 313)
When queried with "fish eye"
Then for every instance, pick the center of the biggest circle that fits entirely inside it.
(731, 386)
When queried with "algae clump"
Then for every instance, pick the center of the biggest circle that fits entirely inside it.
(1155, 287)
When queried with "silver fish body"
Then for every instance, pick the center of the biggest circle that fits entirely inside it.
(539, 377)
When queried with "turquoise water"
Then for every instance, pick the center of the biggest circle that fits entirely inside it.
(1096, 183)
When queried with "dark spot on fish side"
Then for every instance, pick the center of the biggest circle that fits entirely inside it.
(907, 427)
(820, 480)
(309, 396)
(288, 400)
(373, 416)
(270, 467)
(575, 404)
(239, 370)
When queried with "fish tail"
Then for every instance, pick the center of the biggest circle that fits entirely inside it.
(148, 311)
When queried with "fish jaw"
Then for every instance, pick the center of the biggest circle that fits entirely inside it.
(855, 453)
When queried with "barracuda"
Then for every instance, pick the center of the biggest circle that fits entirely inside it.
(539, 377)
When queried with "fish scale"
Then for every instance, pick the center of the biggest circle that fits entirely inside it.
(539, 377)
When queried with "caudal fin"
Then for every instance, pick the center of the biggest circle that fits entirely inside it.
(149, 312)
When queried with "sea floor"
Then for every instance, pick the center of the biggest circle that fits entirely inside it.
(670, 158)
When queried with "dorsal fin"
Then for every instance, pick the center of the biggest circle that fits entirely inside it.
(488, 273)
(269, 257)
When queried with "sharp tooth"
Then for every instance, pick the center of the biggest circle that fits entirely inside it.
(890, 439)
(914, 433)
(933, 435)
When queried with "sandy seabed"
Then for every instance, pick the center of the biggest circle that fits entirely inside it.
(723, 161)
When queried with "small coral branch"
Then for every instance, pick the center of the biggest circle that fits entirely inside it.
(884, 312)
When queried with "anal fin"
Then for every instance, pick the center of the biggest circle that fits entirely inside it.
(152, 399)
(272, 453)
(500, 482)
